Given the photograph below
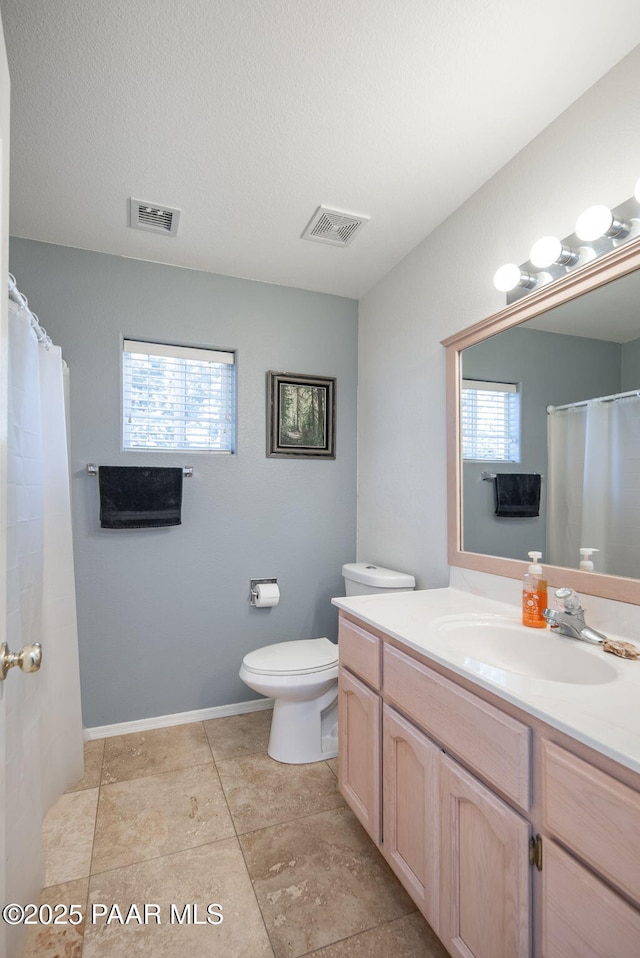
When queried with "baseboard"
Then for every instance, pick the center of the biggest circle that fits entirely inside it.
(179, 718)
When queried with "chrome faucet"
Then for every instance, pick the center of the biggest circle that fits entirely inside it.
(570, 620)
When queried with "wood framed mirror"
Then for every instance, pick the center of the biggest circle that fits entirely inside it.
(549, 309)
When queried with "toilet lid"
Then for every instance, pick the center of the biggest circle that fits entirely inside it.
(288, 658)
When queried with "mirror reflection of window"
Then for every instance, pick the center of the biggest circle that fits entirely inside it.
(490, 421)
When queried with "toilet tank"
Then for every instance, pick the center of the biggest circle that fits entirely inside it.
(364, 578)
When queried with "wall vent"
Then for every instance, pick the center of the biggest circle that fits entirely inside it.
(154, 218)
(333, 226)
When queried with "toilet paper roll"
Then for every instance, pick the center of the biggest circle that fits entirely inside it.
(268, 594)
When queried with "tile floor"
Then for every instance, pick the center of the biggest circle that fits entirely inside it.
(199, 815)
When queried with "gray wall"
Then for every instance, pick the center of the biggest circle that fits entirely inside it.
(631, 365)
(443, 286)
(163, 615)
(550, 368)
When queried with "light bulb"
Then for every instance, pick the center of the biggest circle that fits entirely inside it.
(545, 252)
(599, 221)
(510, 276)
(507, 277)
(549, 251)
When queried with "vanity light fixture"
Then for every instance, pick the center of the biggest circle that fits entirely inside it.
(549, 251)
(510, 277)
(599, 228)
(599, 221)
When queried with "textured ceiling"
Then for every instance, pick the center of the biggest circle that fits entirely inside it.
(248, 114)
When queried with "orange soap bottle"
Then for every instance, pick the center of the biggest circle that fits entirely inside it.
(534, 594)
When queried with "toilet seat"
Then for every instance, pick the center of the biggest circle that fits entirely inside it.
(300, 657)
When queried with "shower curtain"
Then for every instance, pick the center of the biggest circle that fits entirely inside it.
(43, 709)
(594, 485)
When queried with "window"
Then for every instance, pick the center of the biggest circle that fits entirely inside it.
(490, 421)
(177, 397)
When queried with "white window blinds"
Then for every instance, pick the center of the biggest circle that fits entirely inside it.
(490, 421)
(177, 397)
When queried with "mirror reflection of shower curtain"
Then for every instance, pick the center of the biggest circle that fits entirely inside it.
(594, 485)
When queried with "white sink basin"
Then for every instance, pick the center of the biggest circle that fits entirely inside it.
(491, 645)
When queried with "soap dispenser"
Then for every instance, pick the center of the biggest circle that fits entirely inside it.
(534, 594)
(585, 559)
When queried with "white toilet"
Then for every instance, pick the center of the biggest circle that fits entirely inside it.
(302, 677)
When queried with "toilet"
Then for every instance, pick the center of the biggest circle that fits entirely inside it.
(302, 678)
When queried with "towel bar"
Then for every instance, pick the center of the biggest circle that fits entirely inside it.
(92, 470)
(490, 476)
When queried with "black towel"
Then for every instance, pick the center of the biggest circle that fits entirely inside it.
(517, 494)
(139, 497)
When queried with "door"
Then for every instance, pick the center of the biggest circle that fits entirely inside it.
(359, 746)
(4, 267)
(411, 810)
(580, 914)
(484, 904)
(20, 808)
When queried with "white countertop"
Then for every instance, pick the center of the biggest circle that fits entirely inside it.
(604, 716)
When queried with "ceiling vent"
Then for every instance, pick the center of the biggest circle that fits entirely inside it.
(333, 226)
(154, 218)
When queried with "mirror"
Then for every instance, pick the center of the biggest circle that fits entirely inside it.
(574, 340)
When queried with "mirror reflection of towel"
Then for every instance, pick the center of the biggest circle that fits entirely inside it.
(140, 497)
(517, 494)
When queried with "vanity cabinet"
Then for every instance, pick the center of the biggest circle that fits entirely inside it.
(597, 819)
(484, 870)
(411, 810)
(459, 850)
(582, 917)
(359, 713)
(455, 789)
(594, 815)
(469, 865)
(359, 721)
(361, 652)
(493, 745)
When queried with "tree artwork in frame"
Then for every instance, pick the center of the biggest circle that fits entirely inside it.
(301, 416)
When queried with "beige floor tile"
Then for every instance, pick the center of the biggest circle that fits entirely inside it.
(200, 876)
(407, 937)
(333, 765)
(147, 817)
(262, 792)
(67, 836)
(93, 755)
(159, 750)
(238, 735)
(59, 940)
(320, 879)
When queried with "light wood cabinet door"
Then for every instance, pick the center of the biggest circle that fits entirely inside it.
(594, 815)
(411, 811)
(582, 917)
(484, 868)
(360, 651)
(359, 748)
(492, 744)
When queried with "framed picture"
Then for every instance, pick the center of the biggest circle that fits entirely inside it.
(301, 416)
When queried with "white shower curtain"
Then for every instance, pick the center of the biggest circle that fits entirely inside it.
(593, 498)
(40, 584)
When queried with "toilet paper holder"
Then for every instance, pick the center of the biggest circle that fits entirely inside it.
(253, 592)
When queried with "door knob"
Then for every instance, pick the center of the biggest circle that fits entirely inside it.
(28, 658)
